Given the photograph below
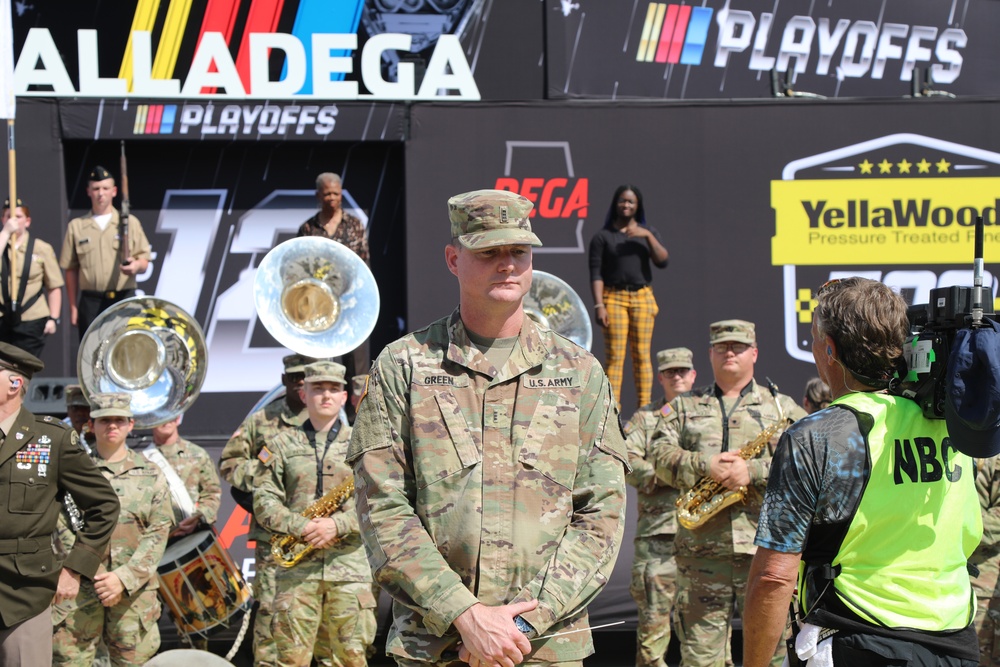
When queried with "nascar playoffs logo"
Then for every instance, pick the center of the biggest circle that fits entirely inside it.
(678, 34)
(900, 209)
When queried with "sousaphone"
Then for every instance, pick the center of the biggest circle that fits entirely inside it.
(554, 304)
(316, 297)
(150, 349)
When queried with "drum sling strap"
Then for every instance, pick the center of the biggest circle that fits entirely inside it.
(178, 492)
(12, 308)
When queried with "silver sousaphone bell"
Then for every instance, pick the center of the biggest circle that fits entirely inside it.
(554, 304)
(316, 297)
(150, 349)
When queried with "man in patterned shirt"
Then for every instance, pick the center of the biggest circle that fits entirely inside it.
(333, 222)
(869, 509)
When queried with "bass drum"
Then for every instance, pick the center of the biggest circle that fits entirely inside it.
(201, 585)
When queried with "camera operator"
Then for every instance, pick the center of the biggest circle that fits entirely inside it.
(874, 500)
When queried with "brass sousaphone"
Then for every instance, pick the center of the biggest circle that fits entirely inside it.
(316, 297)
(554, 304)
(150, 349)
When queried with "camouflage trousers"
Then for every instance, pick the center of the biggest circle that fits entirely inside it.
(653, 587)
(264, 654)
(331, 621)
(707, 590)
(128, 629)
(987, 623)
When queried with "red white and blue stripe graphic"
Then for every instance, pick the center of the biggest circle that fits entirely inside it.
(154, 118)
(674, 34)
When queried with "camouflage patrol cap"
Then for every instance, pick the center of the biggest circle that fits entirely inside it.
(117, 404)
(296, 363)
(675, 357)
(325, 371)
(99, 173)
(736, 331)
(74, 396)
(488, 218)
(358, 383)
(15, 359)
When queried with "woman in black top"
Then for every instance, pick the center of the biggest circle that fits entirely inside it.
(620, 274)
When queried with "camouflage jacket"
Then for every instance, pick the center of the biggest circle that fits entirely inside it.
(238, 459)
(197, 470)
(986, 557)
(683, 447)
(657, 501)
(478, 484)
(286, 486)
(140, 537)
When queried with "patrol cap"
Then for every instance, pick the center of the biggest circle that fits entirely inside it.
(486, 218)
(117, 404)
(325, 371)
(674, 357)
(74, 396)
(296, 363)
(358, 383)
(736, 331)
(972, 391)
(15, 359)
(99, 173)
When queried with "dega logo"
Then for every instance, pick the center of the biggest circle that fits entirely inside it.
(678, 34)
(560, 196)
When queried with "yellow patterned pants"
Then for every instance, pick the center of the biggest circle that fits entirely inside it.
(630, 325)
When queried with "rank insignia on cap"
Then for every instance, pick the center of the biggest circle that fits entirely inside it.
(265, 455)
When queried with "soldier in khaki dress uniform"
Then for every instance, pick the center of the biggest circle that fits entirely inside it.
(121, 606)
(489, 461)
(91, 256)
(30, 312)
(710, 426)
(40, 461)
(237, 464)
(654, 571)
(323, 605)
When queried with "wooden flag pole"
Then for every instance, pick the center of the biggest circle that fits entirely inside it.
(11, 165)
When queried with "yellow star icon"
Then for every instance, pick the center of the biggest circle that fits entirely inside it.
(942, 166)
(866, 167)
(923, 167)
(904, 166)
(884, 167)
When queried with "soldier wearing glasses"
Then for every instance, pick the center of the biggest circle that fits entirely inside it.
(710, 426)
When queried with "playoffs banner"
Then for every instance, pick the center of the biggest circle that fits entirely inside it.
(723, 49)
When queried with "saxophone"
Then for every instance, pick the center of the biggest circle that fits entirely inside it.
(708, 497)
(288, 550)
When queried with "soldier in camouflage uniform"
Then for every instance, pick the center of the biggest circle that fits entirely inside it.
(987, 559)
(489, 461)
(323, 605)
(709, 428)
(654, 571)
(121, 606)
(196, 470)
(237, 464)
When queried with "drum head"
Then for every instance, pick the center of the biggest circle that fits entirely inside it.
(188, 657)
(184, 545)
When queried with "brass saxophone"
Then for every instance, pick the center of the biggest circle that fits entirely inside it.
(288, 550)
(708, 497)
